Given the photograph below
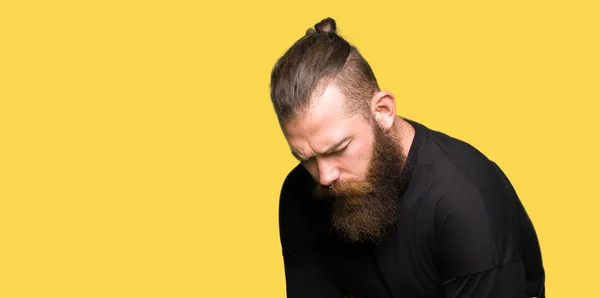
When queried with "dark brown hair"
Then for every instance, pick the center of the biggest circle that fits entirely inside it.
(317, 59)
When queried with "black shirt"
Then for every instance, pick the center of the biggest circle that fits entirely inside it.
(462, 232)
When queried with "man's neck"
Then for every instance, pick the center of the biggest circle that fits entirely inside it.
(404, 133)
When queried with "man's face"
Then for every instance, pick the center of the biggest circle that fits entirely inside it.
(361, 162)
(332, 145)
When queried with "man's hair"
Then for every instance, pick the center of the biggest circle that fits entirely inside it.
(319, 58)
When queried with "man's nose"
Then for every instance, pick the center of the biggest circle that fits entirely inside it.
(328, 172)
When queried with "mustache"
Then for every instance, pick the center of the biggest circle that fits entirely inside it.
(344, 189)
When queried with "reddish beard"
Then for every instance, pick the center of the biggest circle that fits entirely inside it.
(363, 210)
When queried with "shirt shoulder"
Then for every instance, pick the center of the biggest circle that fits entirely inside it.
(303, 219)
(475, 222)
(296, 195)
(302, 228)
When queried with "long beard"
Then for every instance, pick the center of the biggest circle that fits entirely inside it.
(363, 210)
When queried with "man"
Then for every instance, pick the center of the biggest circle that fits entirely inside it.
(380, 205)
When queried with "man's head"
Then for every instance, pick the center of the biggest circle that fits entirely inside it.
(319, 59)
(340, 125)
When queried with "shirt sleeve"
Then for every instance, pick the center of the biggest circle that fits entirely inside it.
(306, 275)
(481, 240)
(505, 281)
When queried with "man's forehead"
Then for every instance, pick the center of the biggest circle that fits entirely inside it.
(317, 133)
(326, 101)
(322, 110)
(317, 124)
(322, 125)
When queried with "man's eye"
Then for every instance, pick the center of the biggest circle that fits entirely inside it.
(341, 150)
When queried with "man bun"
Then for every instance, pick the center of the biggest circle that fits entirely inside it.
(326, 25)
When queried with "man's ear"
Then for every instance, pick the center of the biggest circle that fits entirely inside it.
(383, 106)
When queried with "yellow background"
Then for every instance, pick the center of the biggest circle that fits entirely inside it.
(140, 156)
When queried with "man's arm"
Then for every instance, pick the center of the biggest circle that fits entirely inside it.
(485, 248)
(305, 274)
(502, 282)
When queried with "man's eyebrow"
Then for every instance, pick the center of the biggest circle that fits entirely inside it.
(336, 146)
(330, 150)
